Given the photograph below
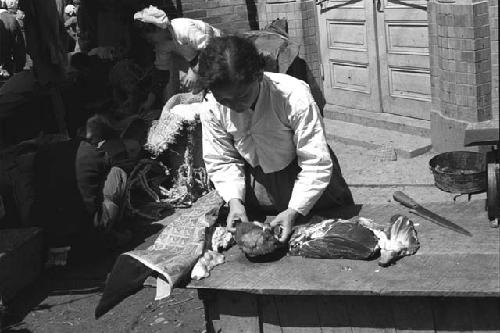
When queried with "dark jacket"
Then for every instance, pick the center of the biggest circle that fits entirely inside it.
(12, 46)
(92, 168)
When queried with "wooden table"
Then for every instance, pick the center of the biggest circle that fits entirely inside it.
(451, 284)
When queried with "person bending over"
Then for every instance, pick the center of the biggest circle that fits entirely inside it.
(177, 44)
(264, 143)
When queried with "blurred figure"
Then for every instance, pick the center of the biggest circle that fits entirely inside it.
(71, 25)
(12, 45)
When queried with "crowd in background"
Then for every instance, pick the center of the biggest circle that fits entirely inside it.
(114, 65)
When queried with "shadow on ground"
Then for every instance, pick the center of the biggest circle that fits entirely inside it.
(82, 280)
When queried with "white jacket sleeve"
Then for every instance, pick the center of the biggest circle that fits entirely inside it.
(224, 164)
(312, 152)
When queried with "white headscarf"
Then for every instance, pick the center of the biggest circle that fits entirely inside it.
(11, 4)
(153, 15)
(70, 10)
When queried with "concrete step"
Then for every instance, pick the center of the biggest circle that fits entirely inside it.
(405, 145)
(381, 120)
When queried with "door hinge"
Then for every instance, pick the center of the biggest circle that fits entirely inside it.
(379, 5)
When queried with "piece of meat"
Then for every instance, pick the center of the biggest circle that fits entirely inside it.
(205, 264)
(258, 241)
(334, 239)
(221, 239)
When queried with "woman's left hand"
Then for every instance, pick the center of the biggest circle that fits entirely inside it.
(286, 220)
(190, 79)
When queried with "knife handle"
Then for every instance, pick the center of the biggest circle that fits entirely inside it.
(404, 199)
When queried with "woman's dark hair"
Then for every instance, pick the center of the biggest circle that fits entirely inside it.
(228, 61)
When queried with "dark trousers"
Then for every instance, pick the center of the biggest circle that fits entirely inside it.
(271, 192)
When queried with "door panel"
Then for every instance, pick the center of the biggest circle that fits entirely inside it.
(407, 37)
(404, 57)
(408, 83)
(349, 54)
(350, 76)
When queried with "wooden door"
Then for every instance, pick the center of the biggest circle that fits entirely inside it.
(349, 54)
(375, 55)
(402, 31)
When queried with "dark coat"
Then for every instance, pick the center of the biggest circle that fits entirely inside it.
(69, 181)
(12, 46)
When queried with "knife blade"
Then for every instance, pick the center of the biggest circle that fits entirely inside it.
(417, 209)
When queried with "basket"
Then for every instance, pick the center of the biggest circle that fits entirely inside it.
(461, 172)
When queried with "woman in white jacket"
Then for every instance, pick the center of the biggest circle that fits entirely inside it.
(264, 141)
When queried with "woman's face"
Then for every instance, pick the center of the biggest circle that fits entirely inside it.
(240, 97)
(157, 35)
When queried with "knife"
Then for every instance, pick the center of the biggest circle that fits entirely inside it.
(417, 209)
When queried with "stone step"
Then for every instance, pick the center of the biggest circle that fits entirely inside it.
(381, 120)
(405, 145)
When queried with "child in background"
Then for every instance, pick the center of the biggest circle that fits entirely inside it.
(79, 191)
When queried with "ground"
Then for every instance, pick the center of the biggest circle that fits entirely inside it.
(64, 300)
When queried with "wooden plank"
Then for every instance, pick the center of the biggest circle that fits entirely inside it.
(471, 216)
(352, 314)
(298, 314)
(333, 314)
(461, 275)
(412, 314)
(452, 314)
(269, 314)
(435, 239)
(369, 314)
(485, 315)
(208, 297)
(237, 312)
(447, 263)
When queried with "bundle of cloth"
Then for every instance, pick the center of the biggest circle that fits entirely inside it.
(181, 111)
(175, 140)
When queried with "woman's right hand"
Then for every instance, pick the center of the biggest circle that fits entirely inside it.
(236, 212)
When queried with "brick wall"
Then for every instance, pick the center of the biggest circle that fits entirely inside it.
(464, 61)
(434, 56)
(234, 16)
(493, 22)
(302, 29)
(462, 82)
(231, 16)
